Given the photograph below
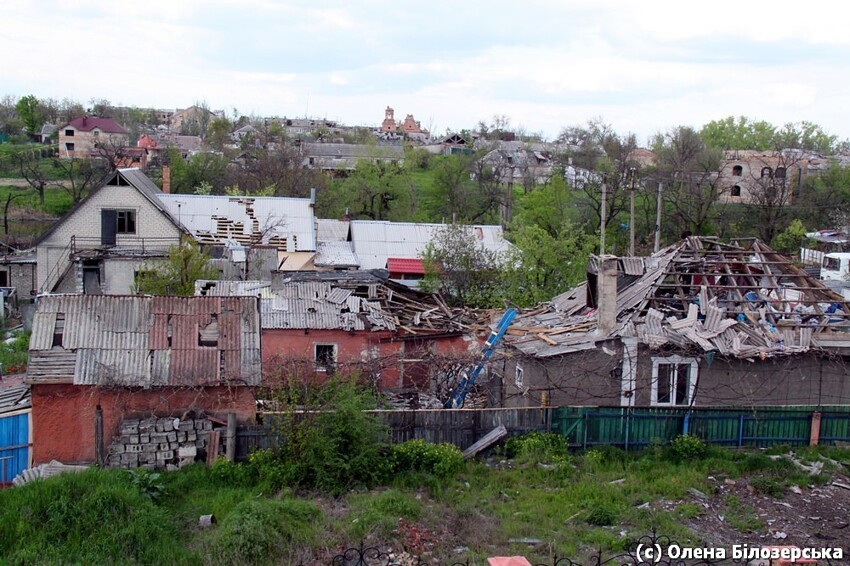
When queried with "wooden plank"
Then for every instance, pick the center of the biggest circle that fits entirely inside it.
(487, 440)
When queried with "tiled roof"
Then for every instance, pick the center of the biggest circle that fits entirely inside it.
(88, 123)
(404, 265)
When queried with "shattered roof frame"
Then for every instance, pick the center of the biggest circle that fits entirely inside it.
(740, 299)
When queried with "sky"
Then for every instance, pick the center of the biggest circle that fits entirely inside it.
(640, 67)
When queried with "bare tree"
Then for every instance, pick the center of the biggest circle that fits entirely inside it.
(771, 189)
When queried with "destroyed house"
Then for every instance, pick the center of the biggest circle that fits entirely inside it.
(358, 322)
(134, 357)
(700, 323)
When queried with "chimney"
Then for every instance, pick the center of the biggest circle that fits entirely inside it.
(166, 179)
(606, 294)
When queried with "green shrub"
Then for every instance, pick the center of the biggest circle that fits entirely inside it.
(231, 474)
(271, 470)
(380, 513)
(148, 483)
(765, 485)
(538, 447)
(441, 460)
(258, 530)
(602, 514)
(687, 447)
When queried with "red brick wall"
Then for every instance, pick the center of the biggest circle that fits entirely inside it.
(63, 415)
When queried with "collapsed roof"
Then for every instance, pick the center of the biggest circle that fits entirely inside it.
(740, 299)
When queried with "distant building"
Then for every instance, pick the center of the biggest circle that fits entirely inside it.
(82, 137)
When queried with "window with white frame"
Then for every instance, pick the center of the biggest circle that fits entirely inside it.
(674, 380)
(325, 357)
(519, 376)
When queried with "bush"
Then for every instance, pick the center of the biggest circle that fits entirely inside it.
(230, 474)
(441, 460)
(602, 514)
(686, 447)
(538, 447)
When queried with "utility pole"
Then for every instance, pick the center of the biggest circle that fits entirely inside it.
(658, 220)
(602, 215)
(633, 172)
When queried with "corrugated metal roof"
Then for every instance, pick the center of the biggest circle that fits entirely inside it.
(336, 254)
(210, 288)
(280, 221)
(143, 341)
(376, 241)
(404, 265)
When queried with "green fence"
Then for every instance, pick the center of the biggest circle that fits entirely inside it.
(636, 428)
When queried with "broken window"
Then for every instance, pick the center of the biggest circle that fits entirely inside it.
(325, 357)
(673, 380)
(780, 173)
(766, 172)
(737, 171)
(519, 375)
(59, 330)
(69, 146)
(736, 191)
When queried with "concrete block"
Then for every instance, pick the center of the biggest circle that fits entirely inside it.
(191, 436)
(208, 425)
(144, 438)
(171, 468)
(159, 436)
(133, 448)
(167, 425)
(130, 459)
(183, 462)
(116, 449)
(165, 455)
(181, 437)
(134, 439)
(172, 437)
(186, 426)
(187, 451)
(130, 427)
(147, 425)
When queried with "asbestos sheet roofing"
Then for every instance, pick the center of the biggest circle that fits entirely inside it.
(336, 254)
(329, 230)
(15, 398)
(144, 341)
(377, 241)
(740, 299)
(287, 223)
(214, 288)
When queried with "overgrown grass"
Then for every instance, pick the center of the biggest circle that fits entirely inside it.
(57, 201)
(14, 351)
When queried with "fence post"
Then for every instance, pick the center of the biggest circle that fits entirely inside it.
(98, 437)
(814, 433)
(740, 430)
(584, 418)
(230, 443)
(686, 423)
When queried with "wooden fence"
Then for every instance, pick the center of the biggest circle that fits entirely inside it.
(586, 427)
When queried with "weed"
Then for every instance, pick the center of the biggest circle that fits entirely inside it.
(765, 485)
(544, 447)
(443, 460)
(602, 514)
(380, 514)
(688, 510)
(148, 483)
(687, 447)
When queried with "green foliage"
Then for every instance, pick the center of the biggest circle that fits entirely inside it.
(197, 169)
(177, 274)
(602, 514)
(260, 530)
(379, 513)
(92, 517)
(766, 485)
(538, 447)
(232, 474)
(329, 442)
(687, 447)
(441, 460)
(792, 238)
(29, 110)
(13, 355)
(147, 482)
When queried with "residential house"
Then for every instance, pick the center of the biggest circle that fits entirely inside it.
(343, 157)
(114, 358)
(46, 133)
(128, 224)
(18, 271)
(82, 137)
(697, 324)
(191, 121)
(157, 144)
(356, 322)
(451, 144)
(513, 163)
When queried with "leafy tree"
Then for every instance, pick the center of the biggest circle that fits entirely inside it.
(278, 168)
(29, 110)
(377, 191)
(176, 275)
(197, 169)
(458, 265)
(792, 238)
(10, 122)
(543, 265)
(738, 133)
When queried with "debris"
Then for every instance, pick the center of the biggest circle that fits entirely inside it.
(796, 489)
(526, 540)
(487, 440)
(206, 521)
(643, 505)
(841, 485)
(729, 482)
(697, 493)
(779, 535)
(45, 471)
(618, 482)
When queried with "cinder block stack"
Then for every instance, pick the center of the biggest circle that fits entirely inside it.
(159, 443)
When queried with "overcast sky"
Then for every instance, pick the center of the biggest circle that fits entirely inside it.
(642, 67)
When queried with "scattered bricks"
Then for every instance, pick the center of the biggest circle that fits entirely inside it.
(165, 455)
(187, 451)
(134, 439)
(133, 448)
(172, 437)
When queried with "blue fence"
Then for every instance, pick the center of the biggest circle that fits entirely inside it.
(14, 446)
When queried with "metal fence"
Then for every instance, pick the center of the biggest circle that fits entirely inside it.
(586, 427)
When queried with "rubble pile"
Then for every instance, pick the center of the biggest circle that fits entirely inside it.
(159, 443)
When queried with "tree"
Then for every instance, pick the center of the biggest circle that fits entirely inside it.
(738, 133)
(280, 168)
(10, 122)
(468, 273)
(29, 110)
(30, 165)
(771, 189)
(377, 191)
(80, 175)
(198, 169)
(176, 275)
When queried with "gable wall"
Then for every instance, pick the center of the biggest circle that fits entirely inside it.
(153, 229)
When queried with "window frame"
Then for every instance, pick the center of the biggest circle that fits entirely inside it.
(674, 361)
(519, 376)
(324, 367)
(127, 216)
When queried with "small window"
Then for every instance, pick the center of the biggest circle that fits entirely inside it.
(96, 133)
(125, 222)
(325, 357)
(69, 133)
(831, 263)
(520, 373)
(780, 173)
(59, 330)
(737, 171)
(766, 172)
(69, 146)
(736, 191)
(673, 380)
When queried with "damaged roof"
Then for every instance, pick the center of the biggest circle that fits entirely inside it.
(143, 341)
(740, 299)
(284, 222)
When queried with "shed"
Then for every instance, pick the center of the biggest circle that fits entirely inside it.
(15, 431)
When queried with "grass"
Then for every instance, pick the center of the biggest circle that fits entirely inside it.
(594, 500)
(57, 201)
(14, 351)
